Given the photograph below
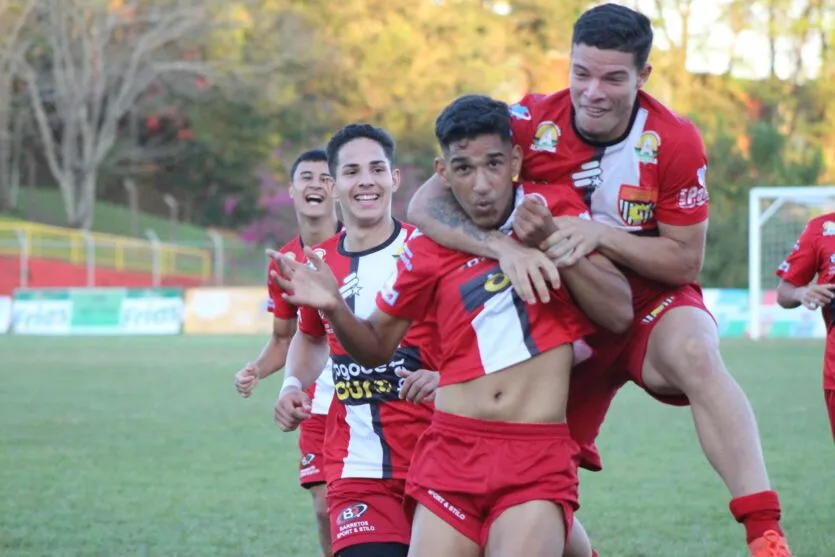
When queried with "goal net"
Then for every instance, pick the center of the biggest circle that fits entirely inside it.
(776, 217)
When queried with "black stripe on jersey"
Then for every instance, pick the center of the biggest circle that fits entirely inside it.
(652, 232)
(377, 424)
(476, 291)
(525, 323)
(355, 266)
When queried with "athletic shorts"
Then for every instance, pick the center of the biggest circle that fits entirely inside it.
(311, 447)
(367, 511)
(468, 471)
(830, 406)
(615, 360)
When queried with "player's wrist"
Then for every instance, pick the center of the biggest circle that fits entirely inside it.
(290, 383)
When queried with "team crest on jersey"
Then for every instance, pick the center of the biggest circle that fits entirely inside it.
(637, 205)
(520, 112)
(320, 253)
(290, 255)
(647, 147)
(546, 137)
(829, 228)
(351, 513)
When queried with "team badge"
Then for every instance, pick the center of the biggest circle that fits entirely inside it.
(351, 513)
(290, 255)
(647, 147)
(320, 252)
(520, 112)
(637, 205)
(829, 228)
(307, 459)
(546, 137)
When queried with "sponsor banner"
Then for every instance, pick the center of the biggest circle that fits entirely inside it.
(730, 307)
(227, 311)
(97, 311)
(5, 313)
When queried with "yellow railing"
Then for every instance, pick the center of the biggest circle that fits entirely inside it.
(121, 253)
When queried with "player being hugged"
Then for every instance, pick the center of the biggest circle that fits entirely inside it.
(496, 471)
(379, 410)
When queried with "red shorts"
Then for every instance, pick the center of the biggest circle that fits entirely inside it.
(468, 471)
(830, 405)
(311, 445)
(366, 510)
(615, 360)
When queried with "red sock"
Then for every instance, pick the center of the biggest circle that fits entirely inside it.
(758, 512)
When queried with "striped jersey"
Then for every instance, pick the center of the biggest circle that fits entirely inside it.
(321, 392)
(371, 432)
(655, 173)
(483, 326)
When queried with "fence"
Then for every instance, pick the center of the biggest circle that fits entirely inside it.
(104, 258)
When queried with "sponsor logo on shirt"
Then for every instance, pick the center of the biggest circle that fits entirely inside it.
(647, 147)
(590, 176)
(546, 138)
(350, 286)
(637, 205)
(307, 460)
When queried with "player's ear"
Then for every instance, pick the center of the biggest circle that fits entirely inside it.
(516, 161)
(643, 75)
(440, 169)
(395, 179)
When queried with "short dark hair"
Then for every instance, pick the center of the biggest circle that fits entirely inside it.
(357, 131)
(314, 155)
(615, 27)
(470, 116)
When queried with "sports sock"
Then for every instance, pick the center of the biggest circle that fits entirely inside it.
(758, 512)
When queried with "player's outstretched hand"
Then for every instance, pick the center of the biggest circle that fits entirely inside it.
(291, 408)
(418, 386)
(530, 271)
(533, 222)
(312, 285)
(817, 295)
(574, 239)
(246, 379)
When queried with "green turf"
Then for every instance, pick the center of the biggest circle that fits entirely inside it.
(140, 447)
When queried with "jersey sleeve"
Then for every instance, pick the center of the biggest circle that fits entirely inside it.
(310, 322)
(409, 291)
(800, 266)
(683, 196)
(278, 306)
(521, 121)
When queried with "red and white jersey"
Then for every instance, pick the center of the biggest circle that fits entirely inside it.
(814, 254)
(655, 173)
(371, 433)
(321, 392)
(483, 326)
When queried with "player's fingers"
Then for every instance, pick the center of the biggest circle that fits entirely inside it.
(540, 284)
(550, 272)
(314, 258)
(410, 387)
(282, 282)
(562, 249)
(522, 285)
(824, 292)
(403, 372)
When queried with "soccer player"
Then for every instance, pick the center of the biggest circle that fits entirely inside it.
(311, 188)
(641, 169)
(495, 471)
(814, 254)
(371, 430)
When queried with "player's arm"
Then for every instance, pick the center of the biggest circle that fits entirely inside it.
(274, 354)
(796, 274)
(601, 291)
(370, 342)
(596, 285)
(306, 357)
(435, 211)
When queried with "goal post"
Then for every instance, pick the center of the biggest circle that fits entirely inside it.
(776, 217)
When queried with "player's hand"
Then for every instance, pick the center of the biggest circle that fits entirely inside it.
(530, 271)
(291, 408)
(574, 239)
(418, 386)
(246, 379)
(312, 285)
(817, 295)
(533, 222)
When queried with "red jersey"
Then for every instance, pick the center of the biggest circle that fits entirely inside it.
(321, 392)
(655, 173)
(371, 433)
(483, 326)
(814, 254)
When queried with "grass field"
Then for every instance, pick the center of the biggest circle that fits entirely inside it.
(141, 447)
